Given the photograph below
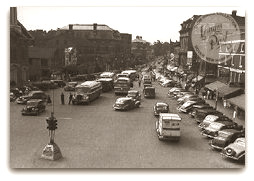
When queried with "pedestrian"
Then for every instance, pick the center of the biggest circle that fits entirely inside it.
(62, 98)
(70, 97)
(49, 100)
(139, 82)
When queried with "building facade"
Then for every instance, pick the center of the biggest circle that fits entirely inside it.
(98, 47)
(20, 39)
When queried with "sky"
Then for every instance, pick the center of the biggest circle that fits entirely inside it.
(151, 22)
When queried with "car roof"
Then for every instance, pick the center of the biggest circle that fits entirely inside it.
(170, 116)
(124, 98)
(161, 104)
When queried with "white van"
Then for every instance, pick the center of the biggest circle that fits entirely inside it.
(168, 126)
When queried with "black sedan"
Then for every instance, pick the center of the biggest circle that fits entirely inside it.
(160, 107)
(126, 103)
(34, 107)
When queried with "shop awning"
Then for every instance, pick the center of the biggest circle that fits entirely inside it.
(229, 92)
(214, 85)
(238, 101)
(197, 79)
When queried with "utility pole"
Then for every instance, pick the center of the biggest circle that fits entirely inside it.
(51, 150)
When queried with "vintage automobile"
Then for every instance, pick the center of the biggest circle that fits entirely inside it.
(149, 92)
(187, 106)
(134, 94)
(212, 118)
(200, 114)
(199, 107)
(185, 96)
(168, 126)
(126, 103)
(225, 137)
(70, 86)
(197, 99)
(32, 95)
(160, 107)
(174, 90)
(235, 150)
(168, 83)
(34, 107)
(212, 130)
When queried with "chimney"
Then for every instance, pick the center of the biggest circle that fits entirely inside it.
(13, 16)
(234, 13)
(70, 27)
(95, 26)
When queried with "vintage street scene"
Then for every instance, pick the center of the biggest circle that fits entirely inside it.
(93, 93)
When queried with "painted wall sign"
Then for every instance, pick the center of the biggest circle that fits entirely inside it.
(210, 34)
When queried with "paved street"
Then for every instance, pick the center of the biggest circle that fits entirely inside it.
(96, 136)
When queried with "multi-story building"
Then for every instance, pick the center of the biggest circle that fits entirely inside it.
(98, 47)
(20, 39)
(141, 50)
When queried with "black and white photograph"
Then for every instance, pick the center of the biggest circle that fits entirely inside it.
(146, 86)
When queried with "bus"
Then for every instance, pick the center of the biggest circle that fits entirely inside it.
(122, 85)
(106, 83)
(132, 74)
(86, 92)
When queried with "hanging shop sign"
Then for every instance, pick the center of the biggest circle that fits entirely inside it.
(211, 34)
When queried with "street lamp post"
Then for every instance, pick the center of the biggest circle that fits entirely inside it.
(51, 150)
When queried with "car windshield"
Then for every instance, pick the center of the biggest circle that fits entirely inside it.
(132, 94)
(31, 103)
(162, 107)
(80, 90)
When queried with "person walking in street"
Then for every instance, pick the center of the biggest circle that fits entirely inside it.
(139, 82)
(70, 97)
(49, 100)
(62, 98)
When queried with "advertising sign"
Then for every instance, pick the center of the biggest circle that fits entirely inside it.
(211, 35)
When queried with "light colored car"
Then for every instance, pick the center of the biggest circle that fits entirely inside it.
(235, 150)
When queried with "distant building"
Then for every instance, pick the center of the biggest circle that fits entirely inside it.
(20, 39)
(98, 47)
(141, 50)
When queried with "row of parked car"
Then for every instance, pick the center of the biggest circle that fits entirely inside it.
(225, 135)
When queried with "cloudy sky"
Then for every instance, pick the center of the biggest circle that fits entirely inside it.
(152, 22)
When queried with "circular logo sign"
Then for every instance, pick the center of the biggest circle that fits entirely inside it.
(215, 37)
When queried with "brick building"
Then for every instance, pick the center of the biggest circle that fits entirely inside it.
(98, 47)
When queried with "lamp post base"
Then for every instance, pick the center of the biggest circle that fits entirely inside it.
(51, 152)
